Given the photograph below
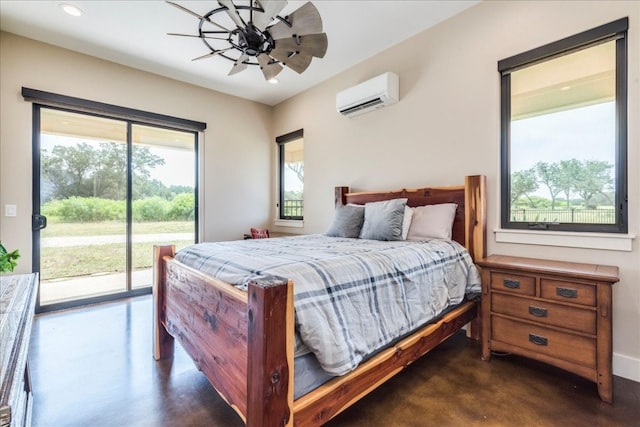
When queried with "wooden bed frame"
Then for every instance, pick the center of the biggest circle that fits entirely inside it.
(243, 341)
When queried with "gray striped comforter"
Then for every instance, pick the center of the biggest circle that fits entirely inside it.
(352, 297)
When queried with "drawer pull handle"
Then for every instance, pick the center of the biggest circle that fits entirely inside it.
(537, 311)
(537, 339)
(567, 292)
(511, 284)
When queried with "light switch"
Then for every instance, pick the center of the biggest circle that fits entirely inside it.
(10, 210)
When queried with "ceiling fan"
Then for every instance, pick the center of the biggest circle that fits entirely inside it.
(255, 34)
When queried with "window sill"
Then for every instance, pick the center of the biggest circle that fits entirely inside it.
(604, 241)
(293, 223)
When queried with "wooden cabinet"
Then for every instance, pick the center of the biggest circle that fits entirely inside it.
(555, 312)
(17, 304)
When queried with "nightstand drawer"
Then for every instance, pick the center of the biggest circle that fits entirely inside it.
(561, 345)
(577, 319)
(524, 285)
(568, 292)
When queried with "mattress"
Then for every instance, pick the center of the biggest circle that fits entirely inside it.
(352, 297)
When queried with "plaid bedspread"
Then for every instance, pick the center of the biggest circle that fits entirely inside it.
(352, 297)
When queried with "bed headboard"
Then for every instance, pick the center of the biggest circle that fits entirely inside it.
(469, 225)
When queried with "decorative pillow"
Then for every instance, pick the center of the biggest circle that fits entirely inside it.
(347, 221)
(432, 222)
(406, 221)
(383, 220)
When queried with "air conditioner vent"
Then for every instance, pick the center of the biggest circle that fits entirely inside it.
(375, 93)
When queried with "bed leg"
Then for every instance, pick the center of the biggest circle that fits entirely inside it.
(270, 354)
(474, 328)
(162, 341)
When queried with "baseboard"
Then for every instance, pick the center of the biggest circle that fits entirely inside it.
(626, 367)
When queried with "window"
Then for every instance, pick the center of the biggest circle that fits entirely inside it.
(564, 134)
(291, 176)
(109, 182)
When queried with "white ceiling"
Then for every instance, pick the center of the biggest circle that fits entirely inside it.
(134, 33)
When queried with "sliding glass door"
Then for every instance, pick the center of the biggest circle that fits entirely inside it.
(163, 196)
(107, 191)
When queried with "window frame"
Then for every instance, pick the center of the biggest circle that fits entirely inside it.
(53, 101)
(282, 141)
(616, 30)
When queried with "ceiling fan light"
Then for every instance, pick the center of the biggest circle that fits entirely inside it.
(70, 9)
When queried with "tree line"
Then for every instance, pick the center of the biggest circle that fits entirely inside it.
(88, 182)
(90, 170)
(589, 180)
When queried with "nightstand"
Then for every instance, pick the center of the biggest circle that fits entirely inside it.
(552, 311)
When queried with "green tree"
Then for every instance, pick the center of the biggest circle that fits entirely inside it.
(568, 173)
(70, 169)
(87, 170)
(143, 188)
(522, 184)
(549, 176)
(593, 179)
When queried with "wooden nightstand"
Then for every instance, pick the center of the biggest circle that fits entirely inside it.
(552, 311)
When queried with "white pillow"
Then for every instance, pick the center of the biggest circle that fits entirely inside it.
(432, 222)
(406, 221)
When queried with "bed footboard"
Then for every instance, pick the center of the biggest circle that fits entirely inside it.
(242, 342)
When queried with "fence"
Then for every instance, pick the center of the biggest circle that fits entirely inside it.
(580, 216)
(293, 209)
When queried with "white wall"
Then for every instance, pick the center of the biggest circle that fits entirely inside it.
(236, 157)
(446, 125)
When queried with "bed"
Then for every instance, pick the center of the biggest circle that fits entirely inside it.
(244, 340)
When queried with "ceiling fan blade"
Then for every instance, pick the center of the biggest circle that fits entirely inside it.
(239, 65)
(305, 20)
(270, 70)
(210, 54)
(271, 9)
(184, 9)
(233, 13)
(197, 36)
(297, 62)
(311, 44)
(190, 12)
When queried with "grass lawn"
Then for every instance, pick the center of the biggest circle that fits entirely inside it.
(73, 261)
(56, 263)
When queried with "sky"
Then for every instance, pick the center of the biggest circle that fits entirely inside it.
(178, 168)
(586, 133)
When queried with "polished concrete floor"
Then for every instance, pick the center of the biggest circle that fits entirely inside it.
(93, 367)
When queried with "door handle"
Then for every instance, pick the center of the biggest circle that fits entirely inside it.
(38, 222)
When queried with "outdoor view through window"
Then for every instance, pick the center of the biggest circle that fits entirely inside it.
(292, 180)
(99, 236)
(562, 154)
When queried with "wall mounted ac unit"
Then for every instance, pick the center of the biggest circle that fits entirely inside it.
(375, 93)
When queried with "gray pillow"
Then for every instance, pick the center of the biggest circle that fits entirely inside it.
(383, 220)
(347, 221)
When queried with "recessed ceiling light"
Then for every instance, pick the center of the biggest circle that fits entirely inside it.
(273, 81)
(71, 9)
